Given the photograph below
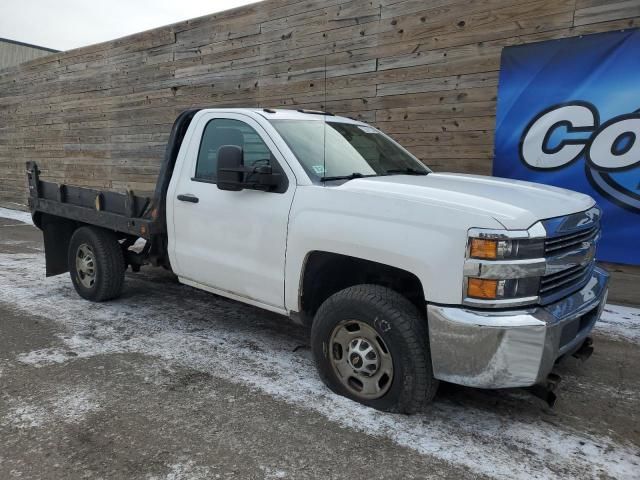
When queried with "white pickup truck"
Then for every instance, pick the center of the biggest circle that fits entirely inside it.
(405, 276)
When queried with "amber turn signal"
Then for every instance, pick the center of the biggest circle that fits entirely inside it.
(483, 248)
(482, 288)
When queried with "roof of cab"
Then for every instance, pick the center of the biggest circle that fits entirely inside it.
(289, 114)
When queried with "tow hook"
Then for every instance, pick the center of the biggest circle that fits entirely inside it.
(545, 390)
(585, 350)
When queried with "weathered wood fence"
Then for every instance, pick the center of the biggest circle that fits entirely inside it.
(424, 71)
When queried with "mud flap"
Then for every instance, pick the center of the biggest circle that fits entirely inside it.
(57, 233)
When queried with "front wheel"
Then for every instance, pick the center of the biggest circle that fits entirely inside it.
(96, 264)
(370, 344)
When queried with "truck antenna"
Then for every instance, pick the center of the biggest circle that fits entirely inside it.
(324, 122)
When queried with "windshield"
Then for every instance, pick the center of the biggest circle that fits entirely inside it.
(351, 150)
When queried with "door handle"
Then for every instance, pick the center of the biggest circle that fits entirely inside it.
(188, 198)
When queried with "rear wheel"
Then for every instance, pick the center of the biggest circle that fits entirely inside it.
(96, 264)
(370, 344)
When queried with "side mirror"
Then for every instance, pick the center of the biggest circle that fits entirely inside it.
(230, 169)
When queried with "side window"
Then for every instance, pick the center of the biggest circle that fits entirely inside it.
(222, 131)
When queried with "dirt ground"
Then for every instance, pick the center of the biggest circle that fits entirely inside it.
(169, 382)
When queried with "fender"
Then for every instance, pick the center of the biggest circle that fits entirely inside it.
(427, 242)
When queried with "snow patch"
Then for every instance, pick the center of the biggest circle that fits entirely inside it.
(25, 416)
(44, 357)
(244, 345)
(24, 217)
(74, 406)
(69, 406)
(620, 322)
(186, 470)
(270, 473)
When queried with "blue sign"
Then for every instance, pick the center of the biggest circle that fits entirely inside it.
(569, 115)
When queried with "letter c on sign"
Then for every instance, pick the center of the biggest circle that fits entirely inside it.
(604, 153)
(534, 147)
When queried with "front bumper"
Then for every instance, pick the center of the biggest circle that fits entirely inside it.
(514, 348)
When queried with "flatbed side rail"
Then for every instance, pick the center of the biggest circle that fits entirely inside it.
(126, 213)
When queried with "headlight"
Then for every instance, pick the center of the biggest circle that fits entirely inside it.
(493, 249)
(487, 289)
(503, 267)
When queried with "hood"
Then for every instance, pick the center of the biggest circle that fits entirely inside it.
(513, 203)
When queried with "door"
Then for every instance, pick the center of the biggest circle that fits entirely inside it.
(231, 242)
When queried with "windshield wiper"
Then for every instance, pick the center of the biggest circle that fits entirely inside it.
(406, 171)
(345, 177)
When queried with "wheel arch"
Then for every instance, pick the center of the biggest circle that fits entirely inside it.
(325, 273)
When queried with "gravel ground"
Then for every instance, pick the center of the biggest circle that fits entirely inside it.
(170, 382)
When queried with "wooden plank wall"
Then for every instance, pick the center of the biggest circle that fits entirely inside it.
(425, 71)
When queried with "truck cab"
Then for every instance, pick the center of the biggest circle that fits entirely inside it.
(405, 276)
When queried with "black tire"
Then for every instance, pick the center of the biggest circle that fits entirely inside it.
(404, 333)
(109, 264)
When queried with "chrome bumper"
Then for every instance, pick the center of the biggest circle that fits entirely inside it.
(514, 348)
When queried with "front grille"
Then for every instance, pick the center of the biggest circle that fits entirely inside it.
(558, 282)
(568, 247)
(562, 243)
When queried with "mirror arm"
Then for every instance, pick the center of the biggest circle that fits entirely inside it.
(270, 182)
(267, 179)
(238, 169)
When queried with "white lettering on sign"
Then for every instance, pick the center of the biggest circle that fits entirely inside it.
(614, 145)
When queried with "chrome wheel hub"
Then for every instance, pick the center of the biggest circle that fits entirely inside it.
(360, 359)
(86, 266)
